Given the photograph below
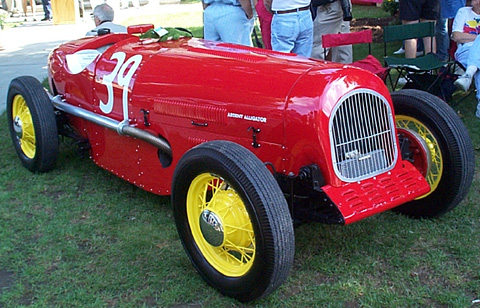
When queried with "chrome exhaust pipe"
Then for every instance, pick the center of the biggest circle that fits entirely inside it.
(120, 127)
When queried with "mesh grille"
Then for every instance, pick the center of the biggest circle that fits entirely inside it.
(362, 136)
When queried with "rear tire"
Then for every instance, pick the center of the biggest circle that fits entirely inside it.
(32, 124)
(438, 145)
(233, 220)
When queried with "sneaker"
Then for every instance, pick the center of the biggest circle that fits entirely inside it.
(463, 82)
(399, 51)
(401, 81)
(459, 70)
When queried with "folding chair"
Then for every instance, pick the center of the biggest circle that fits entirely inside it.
(370, 63)
(421, 72)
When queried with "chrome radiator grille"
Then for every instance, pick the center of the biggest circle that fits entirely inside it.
(362, 136)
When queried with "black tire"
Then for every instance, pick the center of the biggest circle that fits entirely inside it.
(32, 124)
(421, 115)
(246, 190)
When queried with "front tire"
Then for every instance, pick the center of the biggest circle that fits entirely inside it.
(32, 124)
(435, 140)
(233, 220)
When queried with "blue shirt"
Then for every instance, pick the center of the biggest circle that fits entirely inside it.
(449, 8)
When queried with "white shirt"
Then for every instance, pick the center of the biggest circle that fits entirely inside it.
(114, 28)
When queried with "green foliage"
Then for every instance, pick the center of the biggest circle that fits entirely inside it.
(169, 34)
(368, 11)
(390, 6)
(3, 17)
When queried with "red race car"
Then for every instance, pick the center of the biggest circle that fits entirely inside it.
(247, 142)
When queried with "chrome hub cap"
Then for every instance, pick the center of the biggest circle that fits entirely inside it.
(18, 127)
(212, 228)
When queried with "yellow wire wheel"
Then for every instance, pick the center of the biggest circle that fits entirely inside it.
(23, 126)
(220, 225)
(32, 124)
(426, 151)
(435, 140)
(233, 219)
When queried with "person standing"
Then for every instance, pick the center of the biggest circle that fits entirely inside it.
(292, 26)
(414, 11)
(329, 19)
(135, 3)
(229, 21)
(465, 30)
(265, 17)
(47, 10)
(448, 10)
(33, 6)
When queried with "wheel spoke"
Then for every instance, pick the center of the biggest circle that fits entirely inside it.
(431, 146)
(241, 255)
(27, 140)
(245, 228)
(216, 198)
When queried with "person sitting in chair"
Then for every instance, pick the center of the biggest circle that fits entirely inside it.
(465, 30)
(103, 18)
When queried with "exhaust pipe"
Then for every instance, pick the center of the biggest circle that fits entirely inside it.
(120, 127)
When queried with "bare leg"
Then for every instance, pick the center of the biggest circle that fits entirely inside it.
(410, 45)
(24, 6)
(427, 41)
(33, 5)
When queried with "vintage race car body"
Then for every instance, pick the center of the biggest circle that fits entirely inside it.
(247, 142)
(196, 91)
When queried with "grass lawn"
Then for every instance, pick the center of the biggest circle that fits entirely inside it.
(79, 236)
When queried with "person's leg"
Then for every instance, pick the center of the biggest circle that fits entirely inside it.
(17, 6)
(430, 12)
(411, 44)
(7, 5)
(285, 31)
(477, 86)
(265, 18)
(410, 13)
(343, 54)
(47, 9)
(209, 23)
(461, 55)
(443, 40)
(470, 59)
(472, 71)
(304, 42)
(474, 57)
(233, 25)
(227, 23)
(428, 45)
(33, 7)
(24, 7)
(329, 20)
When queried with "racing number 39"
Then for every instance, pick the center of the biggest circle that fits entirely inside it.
(123, 71)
